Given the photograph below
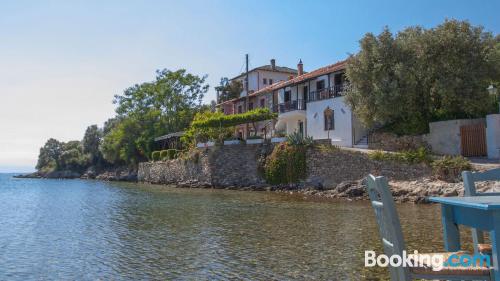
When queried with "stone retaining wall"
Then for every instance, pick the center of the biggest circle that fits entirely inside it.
(220, 166)
(238, 166)
(329, 167)
(392, 142)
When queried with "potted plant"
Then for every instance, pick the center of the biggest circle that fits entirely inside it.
(255, 140)
(279, 137)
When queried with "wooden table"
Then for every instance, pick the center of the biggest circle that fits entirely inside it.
(481, 212)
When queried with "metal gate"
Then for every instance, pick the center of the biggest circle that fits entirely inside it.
(473, 140)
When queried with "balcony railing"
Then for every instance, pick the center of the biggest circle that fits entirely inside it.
(327, 93)
(290, 106)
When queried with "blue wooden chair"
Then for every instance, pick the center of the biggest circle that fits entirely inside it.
(393, 242)
(470, 179)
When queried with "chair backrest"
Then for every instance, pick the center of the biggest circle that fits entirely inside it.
(388, 222)
(470, 178)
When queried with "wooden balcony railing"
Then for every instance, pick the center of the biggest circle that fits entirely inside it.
(290, 106)
(327, 93)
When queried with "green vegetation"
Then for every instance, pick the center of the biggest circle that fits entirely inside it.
(420, 155)
(144, 111)
(286, 164)
(156, 155)
(217, 126)
(297, 138)
(56, 155)
(422, 75)
(449, 168)
(229, 90)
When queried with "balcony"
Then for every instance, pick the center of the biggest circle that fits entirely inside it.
(290, 106)
(327, 93)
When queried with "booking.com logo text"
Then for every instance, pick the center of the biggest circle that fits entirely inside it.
(437, 262)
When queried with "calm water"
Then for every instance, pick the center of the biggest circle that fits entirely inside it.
(88, 230)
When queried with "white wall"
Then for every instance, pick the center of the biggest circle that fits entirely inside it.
(255, 79)
(342, 134)
(493, 135)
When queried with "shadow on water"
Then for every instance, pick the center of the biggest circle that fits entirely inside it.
(76, 229)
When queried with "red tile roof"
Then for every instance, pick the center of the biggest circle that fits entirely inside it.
(299, 79)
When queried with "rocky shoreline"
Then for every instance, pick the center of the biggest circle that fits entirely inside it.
(414, 191)
(110, 174)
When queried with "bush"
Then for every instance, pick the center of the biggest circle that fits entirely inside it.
(296, 138)
(155, 156)
(449, 168)
(420, 155)
(286, 164)
(172, 153)
(163, 155)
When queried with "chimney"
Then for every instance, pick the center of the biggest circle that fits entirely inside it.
(273, 64)
(300, 67)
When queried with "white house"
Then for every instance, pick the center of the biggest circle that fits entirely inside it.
(263, 76)
(313, 104)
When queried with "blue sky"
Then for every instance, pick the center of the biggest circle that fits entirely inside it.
(61, 62)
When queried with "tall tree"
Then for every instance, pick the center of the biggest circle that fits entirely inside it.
(228, 90)
(91, 142)
(422, 75)
(147, 110)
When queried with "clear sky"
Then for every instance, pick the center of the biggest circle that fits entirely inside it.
(61, 62)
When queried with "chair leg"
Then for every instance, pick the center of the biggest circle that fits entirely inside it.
(477, 238)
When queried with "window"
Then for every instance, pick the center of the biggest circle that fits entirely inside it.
(305, 92)
(329, 117)
(270, 81)
(320, 85)
(262, 102)
(264, 81)
(240, 109)
(288, 95)
(250, 105)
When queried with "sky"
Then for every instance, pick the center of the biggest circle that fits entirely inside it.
(61, 62)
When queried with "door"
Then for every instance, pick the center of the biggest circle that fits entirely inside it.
(301, 128)
(473, 140)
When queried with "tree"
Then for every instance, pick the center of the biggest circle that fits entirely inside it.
(91, 142)
(228, 90)
(151, 109)
(422, 75)
(48, 158)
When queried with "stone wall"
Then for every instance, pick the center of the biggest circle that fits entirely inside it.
(329, 167)
(238, 166)
(392, 142)
(220, 166)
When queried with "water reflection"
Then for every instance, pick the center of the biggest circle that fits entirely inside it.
(72, 229)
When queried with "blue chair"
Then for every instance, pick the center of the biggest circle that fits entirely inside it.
(470, 179)
(393, 242)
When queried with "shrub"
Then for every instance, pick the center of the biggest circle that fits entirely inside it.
(286, 164)
(420, 155)
(172, 153)
(449, 168)
(163, 155)
(155, 155)
(297, 138)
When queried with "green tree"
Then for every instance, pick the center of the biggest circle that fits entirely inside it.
(422, 75)
(151, 109)
(228, 90)
(91, 142)
(49, 156)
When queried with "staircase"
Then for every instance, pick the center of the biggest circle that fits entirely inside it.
(362, 143)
